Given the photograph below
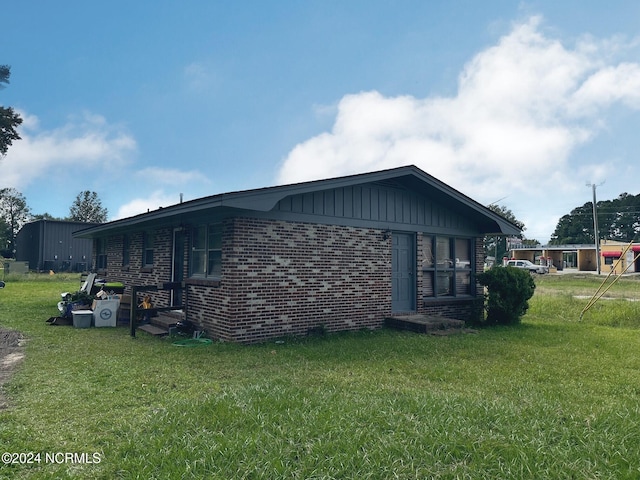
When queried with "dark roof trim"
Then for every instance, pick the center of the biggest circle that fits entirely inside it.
(264, 199)
(64, 222)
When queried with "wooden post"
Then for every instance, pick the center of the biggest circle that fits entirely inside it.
(133, 312)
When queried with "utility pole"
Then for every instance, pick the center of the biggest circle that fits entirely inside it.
(595, 225)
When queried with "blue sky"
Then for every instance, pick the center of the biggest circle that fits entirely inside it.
(519, 103)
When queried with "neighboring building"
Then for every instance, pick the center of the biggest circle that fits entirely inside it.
(336, 254)
(619, 257)
(581, 257)
(614, 256)
(49, 245)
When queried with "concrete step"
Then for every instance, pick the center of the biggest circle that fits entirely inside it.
(153, 329)
(433, 325)
(165, 321)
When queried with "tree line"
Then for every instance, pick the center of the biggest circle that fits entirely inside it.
(618, 219)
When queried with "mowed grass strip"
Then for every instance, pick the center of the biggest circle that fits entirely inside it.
(554, 397)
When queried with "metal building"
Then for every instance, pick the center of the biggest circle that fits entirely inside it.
(49, 245)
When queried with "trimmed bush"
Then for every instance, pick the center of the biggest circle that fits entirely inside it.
(509, 291)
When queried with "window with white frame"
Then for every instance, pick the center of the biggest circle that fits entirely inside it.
(447, 266)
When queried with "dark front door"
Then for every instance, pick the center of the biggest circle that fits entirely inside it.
(403, 273)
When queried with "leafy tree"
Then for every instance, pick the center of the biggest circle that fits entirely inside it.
(9, 120)
(496, 245)
(618, 219)
(14, 213)
(87, 207)
(575, 227)
(530, 242)
(4, 239)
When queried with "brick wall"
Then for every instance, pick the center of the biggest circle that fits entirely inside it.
(209, 301)
(285, 278)
(135, 273)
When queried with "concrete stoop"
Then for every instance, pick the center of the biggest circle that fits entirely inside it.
(430, 324)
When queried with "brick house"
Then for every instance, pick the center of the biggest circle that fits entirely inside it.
(337, 254)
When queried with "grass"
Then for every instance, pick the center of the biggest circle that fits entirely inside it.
(554, 397)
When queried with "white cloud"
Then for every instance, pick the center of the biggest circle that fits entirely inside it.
(88, 149)
(153, 201)
(522, 108)
(611, 84)
(152, 180)
(84, 144)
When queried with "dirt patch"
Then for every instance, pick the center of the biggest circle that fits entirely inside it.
(11, 354)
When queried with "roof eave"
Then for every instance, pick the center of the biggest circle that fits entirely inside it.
(265, 199)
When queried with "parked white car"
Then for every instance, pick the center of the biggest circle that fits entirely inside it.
(527, 265)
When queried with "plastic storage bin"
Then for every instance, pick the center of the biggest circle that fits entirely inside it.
(82, 318)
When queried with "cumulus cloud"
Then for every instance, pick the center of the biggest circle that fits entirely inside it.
(153, 201)
(82, 144)
(620, 83)
(88, 147)
(161, 178)
(522, 107)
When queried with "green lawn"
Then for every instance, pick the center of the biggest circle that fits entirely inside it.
(554, 397)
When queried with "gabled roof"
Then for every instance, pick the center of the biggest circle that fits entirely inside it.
(265, 199)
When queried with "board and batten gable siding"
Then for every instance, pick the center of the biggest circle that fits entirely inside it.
(376, 203)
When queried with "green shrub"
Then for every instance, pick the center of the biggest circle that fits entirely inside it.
(509, 290)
